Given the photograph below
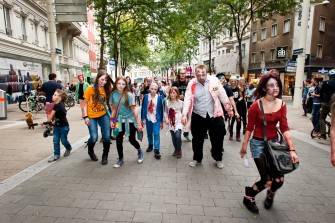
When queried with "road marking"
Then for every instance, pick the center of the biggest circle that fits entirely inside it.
(16, 123)
(32, 170)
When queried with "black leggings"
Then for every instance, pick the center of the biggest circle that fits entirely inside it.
(132, 139)
(268, 179)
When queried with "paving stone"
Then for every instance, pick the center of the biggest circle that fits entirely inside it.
(154, 199)
(11, 208)
(71, 220)
(147, 217)
(11, 218)
(39, 219)
(56, 193)
(103, 196)
(92, 214)
(59, 202)
(62, 212)
(35, 210)
(176, 200)
(80, 194)
(84, 203)
(134, 206)
(167, 192)
(111, 205)
(119, 216)
(205, 219)
(164, 208)
(217, 211)
(193, 210)
(227, 203)
(123, 190)
(37, 200)
(141, 190)
(128, 197)
(176, 218)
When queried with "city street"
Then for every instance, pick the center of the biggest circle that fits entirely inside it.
(75, 189)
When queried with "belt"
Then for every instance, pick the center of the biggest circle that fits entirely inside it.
(259, 139)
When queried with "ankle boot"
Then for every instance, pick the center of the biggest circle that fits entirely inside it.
(104, 159)
(179, 154)
(269, 199)
(231, 135)
(238, 137)
(91, 151)
(249, 200)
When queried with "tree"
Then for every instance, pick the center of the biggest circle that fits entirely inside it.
(240, 13)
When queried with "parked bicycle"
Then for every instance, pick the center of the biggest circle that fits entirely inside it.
(71, 101)
(33, 103)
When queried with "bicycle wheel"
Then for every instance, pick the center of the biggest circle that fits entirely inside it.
(69, 103)
(23, 105)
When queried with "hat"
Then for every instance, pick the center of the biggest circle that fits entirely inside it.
(220, 75)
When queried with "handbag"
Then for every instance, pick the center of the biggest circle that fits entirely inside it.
(277, 153)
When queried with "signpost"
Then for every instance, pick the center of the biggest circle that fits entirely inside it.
(298, 51)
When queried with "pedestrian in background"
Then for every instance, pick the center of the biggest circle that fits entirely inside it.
(250, 94)
(172, 116)
(124, 111)
(304, 97)
(269, 91)
(61, 125)
(202, 104)
(137, 91)
(237, 117)
(316, 106)
(241, 104)
(95, 112)
(49, 89)
(332, 131)
(152, 116)
(81, 87)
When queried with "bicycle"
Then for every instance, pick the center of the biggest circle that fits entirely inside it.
(71, 101)
(328, 126)
(33, 103)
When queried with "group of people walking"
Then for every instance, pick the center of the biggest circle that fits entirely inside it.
(201, 109)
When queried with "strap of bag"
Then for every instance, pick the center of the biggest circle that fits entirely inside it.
(264, 121)
(118, 107)
(102, 102)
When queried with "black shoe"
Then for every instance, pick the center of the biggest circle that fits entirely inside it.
(150, 148)
(157, 155)
(104, 160)
(251, 205)
(93, 157)
(268, 200)
(113, 138)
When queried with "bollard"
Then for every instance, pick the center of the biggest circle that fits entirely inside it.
(3, 105)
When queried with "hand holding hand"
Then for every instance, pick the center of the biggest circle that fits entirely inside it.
(143, 123)
(139, 128)
(183, 120)
(161, 125)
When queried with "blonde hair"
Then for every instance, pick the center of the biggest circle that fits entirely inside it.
(62, 94)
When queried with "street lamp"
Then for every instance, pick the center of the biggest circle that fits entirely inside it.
(301, 57)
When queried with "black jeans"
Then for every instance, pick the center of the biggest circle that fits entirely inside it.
(216, 130)
(138, 99)
(132, 139)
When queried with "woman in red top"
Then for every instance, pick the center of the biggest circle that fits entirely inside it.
(269, 90)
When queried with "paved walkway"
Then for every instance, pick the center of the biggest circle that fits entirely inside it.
(74, 189)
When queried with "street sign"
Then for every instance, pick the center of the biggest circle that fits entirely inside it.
(291, 64)
(298, 51)
(322, 71)
(291, 69)
(112, 63)
(164, 68)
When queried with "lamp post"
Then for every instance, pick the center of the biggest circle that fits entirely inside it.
(53, 38)
(301, 57)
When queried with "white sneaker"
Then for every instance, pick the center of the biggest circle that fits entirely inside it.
(118, 164)
(194, 163)
(53, 159)
(219, 164)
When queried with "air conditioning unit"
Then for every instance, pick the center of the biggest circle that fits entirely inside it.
(9, 31)
(24, 38)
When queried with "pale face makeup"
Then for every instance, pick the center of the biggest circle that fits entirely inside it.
(272, 87)
(182, 75)
(173, 94)
(56, 98)
(233, 83)
(102, 81)
(201, 75)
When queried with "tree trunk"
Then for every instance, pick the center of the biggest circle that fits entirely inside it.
(240, 56)
(210, 55)
(102, 35)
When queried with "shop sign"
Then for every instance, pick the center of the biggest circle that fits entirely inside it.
(281, 52)
(291, 69)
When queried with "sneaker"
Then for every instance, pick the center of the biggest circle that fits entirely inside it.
(53, 159)
(140, 156)
(150, 148)
(219, 164)
(157, 155)
(67, 152)
(118, 164)
(194, 163)
(188, 138)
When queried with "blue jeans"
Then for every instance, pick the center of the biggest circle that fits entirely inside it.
(153, 132)
(103, 122)
(176, 139)
(316, 116)
(257, 147)
(60, 135)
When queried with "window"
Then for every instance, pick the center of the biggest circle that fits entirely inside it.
(243, 50)
(319, 51)
(36, 33)
(286, 26)
(263, 34)
(322, 24)
(219, 52)
(274, 30)
(273, 54)
(262, 55)
(254, 37)
(7, 20)
(23, 28)
(253, 58)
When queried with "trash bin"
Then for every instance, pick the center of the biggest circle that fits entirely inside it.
(3, 105)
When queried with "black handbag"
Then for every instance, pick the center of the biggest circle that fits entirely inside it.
(277, 153)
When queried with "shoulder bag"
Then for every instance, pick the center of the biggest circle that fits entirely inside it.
(277, 153)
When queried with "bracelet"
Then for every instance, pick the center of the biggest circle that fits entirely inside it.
(85, 117)
(243, 150)
(292, 150)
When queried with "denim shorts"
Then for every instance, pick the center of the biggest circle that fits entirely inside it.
(257, 147)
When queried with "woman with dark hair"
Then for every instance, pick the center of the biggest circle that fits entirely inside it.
(95, 112)
(269, 92)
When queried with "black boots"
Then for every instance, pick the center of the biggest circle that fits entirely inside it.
(105, 152)
(249, 200)
(91, 151)
(150, 148)
(269, 199)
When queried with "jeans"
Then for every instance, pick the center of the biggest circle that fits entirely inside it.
(153, 132)
(323, 115)
(216, 130)
(138, 99)
(176, 139)
(132, 139)
(316, 116)
(60, 135)
(103, 122)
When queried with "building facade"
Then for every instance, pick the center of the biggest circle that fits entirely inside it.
(25, 45)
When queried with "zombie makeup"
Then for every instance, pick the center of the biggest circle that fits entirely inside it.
(173, 94)
(272, 88)
(102, 81)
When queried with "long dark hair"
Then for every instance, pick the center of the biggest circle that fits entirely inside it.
(261, 87)
(107, 87)
(125, 90)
